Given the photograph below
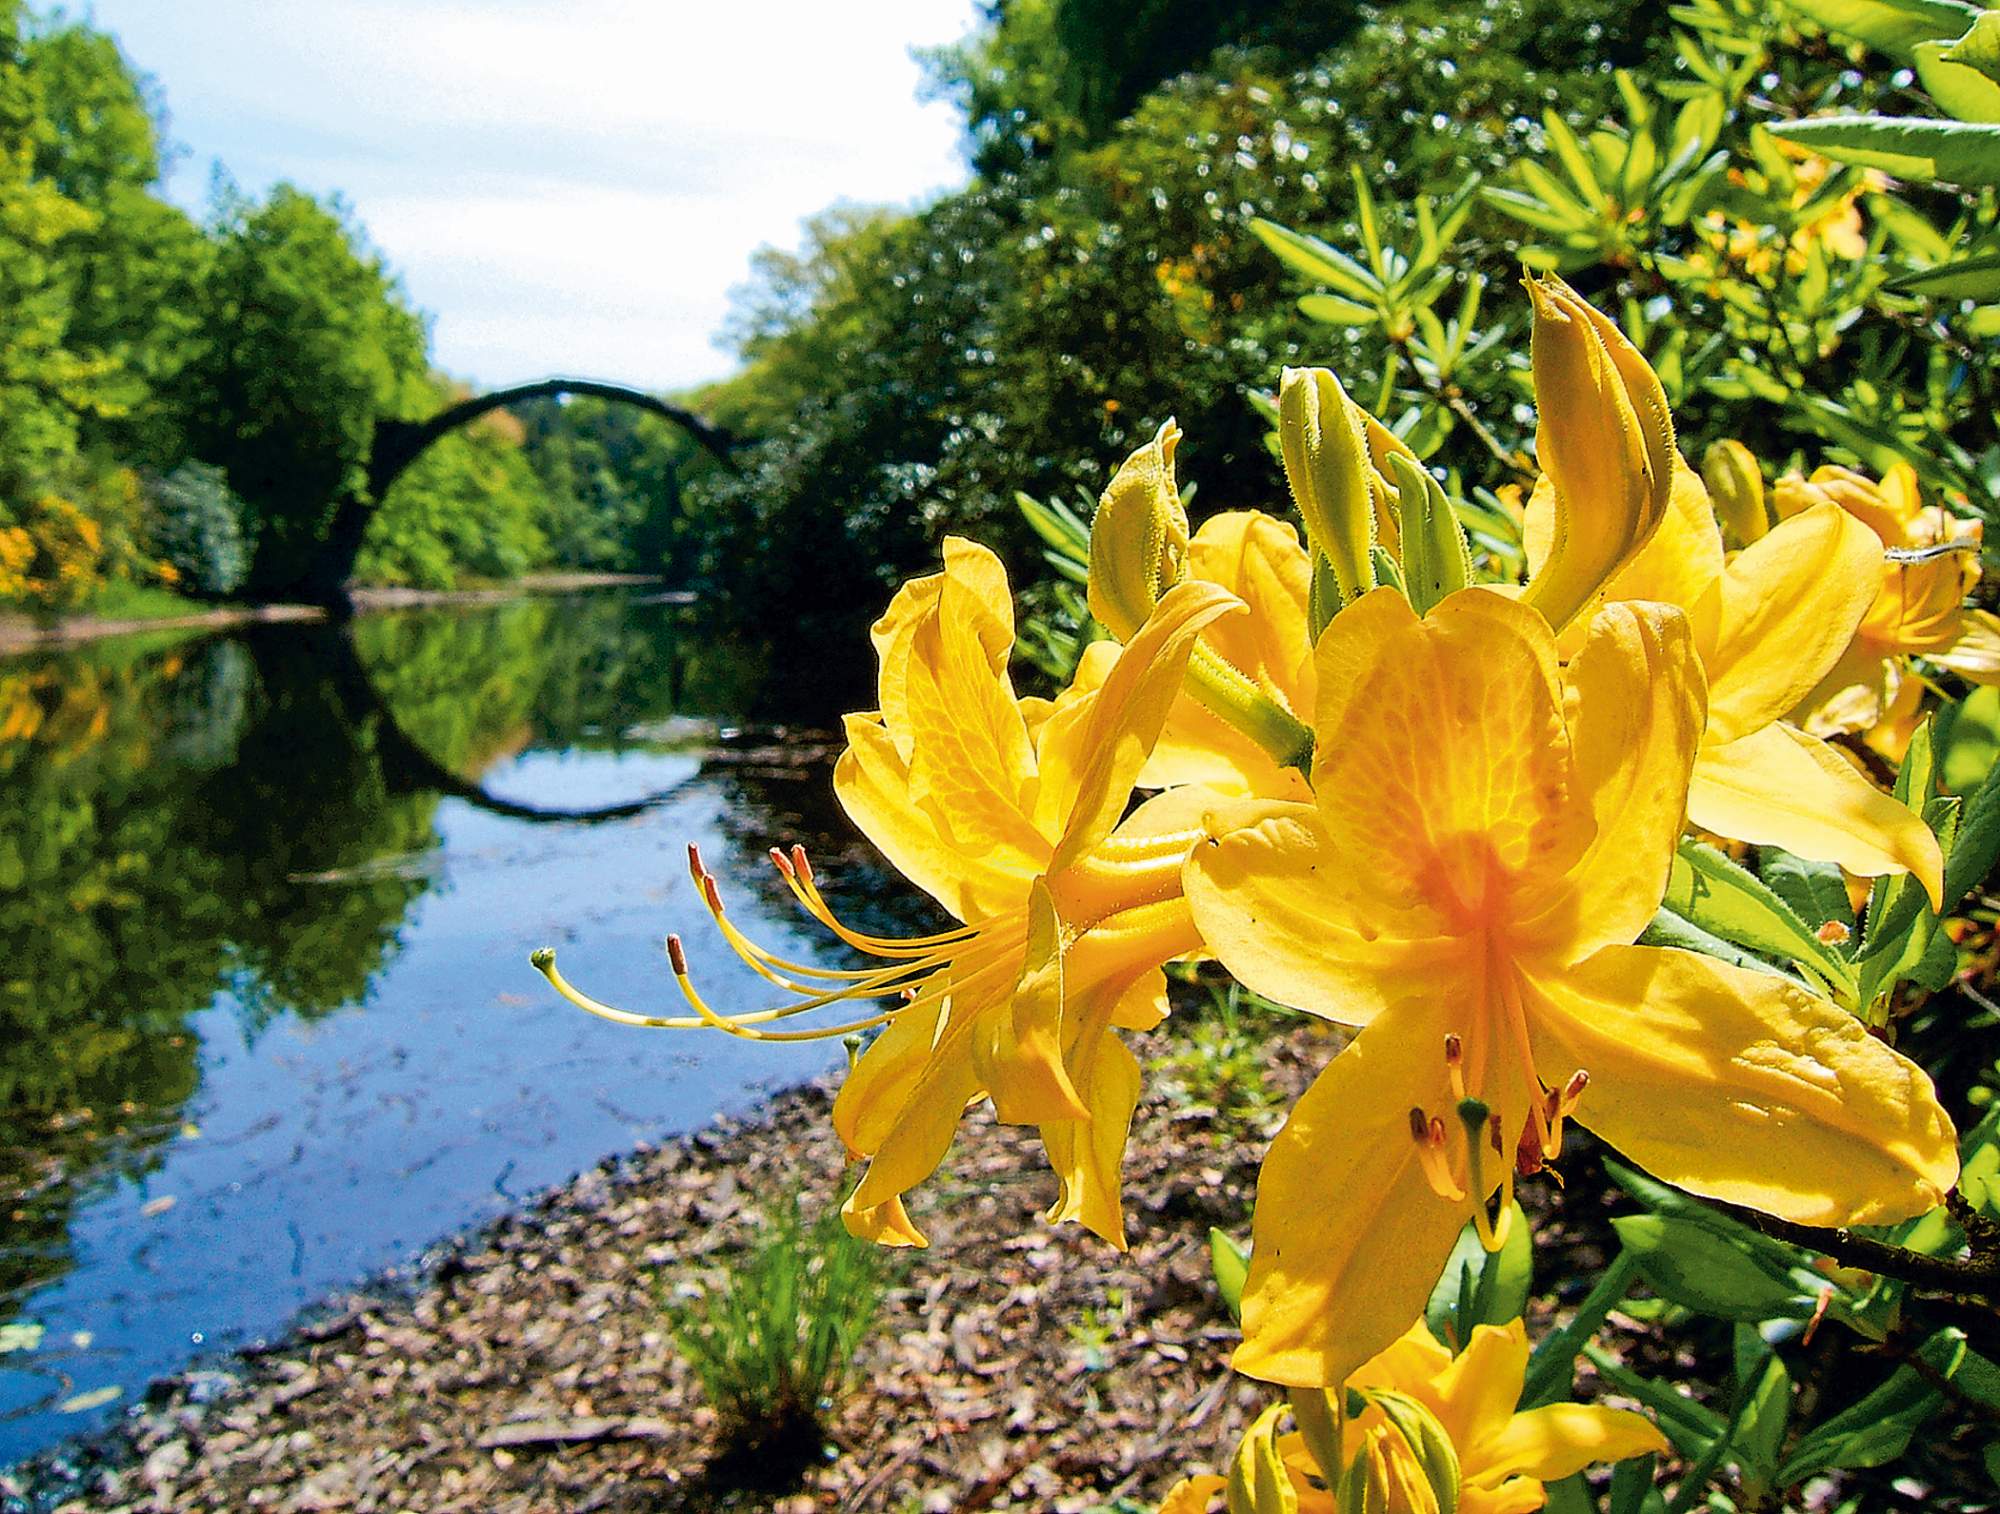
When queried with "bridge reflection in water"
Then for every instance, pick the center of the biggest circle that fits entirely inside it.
(266, 1021)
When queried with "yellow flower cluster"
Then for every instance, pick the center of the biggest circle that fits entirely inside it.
(1436, 811)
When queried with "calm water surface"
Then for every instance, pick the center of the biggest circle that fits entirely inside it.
(266, 1020)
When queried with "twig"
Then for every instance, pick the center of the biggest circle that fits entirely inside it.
(1978, 1275)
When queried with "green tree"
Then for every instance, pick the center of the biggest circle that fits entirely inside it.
(133, 272)
(309, 343)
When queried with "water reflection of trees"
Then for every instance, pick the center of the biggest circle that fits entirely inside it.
(240, 817)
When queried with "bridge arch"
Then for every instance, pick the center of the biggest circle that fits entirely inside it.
(397, 444)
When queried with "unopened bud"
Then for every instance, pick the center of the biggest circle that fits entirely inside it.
(1326, 463)
(1139, 537)
(1605, 441)
(1736, 485)
(1258, 1481)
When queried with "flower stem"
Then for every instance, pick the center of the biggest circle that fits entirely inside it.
(1227, 694)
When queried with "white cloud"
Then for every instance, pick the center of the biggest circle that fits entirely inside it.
(565, 186)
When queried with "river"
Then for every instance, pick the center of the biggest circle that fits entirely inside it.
(267, 1023)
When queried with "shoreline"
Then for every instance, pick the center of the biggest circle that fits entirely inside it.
(21, 633)
(524, 1366)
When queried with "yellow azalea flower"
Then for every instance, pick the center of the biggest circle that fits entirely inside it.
(1769, 624)
(1504, 1457)
(1260, 561)
(1489, 833)
(1008, 813)
(1918, 608)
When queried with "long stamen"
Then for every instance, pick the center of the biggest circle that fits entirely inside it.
(1563, 1105)
(737, 1026)
(544, 959)
(1429, 1133)
(1493, 1233)
(1517, 1025)
(768, 964)
(799, 876)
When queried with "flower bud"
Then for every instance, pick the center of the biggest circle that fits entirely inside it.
(1139, 537)
(1258, 1481)
(1736, 486)
(1605, 440)
(1326, 463)
(1418, 1454)
(1436, 560)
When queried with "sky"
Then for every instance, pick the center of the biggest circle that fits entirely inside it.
(564, 186)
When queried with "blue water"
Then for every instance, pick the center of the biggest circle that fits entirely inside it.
(262, 1140)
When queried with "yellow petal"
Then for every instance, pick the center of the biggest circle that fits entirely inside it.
(972, 764)
(1127, 714)
(916, 1134)
(992, 603)
(1272, 900)
(1558, 1440)
(1975, 655)
(879, 1085)
(1781, 787)
(1410, 1365)
(885, 1224)
(1087, 1153)
(1477, 1392)
(1635, 719)
(1257, 557)
(1193, 1495)
(873, 786)
(1742, 1086)
(1441, 755)
(1348, 1236)
(1779, 618)
(1018, 1055)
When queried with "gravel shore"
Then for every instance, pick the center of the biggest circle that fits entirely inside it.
(1015, 1365)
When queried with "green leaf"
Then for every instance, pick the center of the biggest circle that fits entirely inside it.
(1525, 207)
(1966, 735)
(1966, 279)
(1760, 1438)
(1775, 1257)
(1231, 1264)
(1632, 1489)
(1479, 1287)
(1669, 929)
(1055, 523)
(1910, 147)
(1975, 846)
(1965, 93)
(1816, 890)
(1552, 1364)
(1335, 311)
(1692, 1427)
(1693, 1266)
(1317, 261)
(1980, 47)
(1878, 1429)
(1890, 26)
(1715, 894)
